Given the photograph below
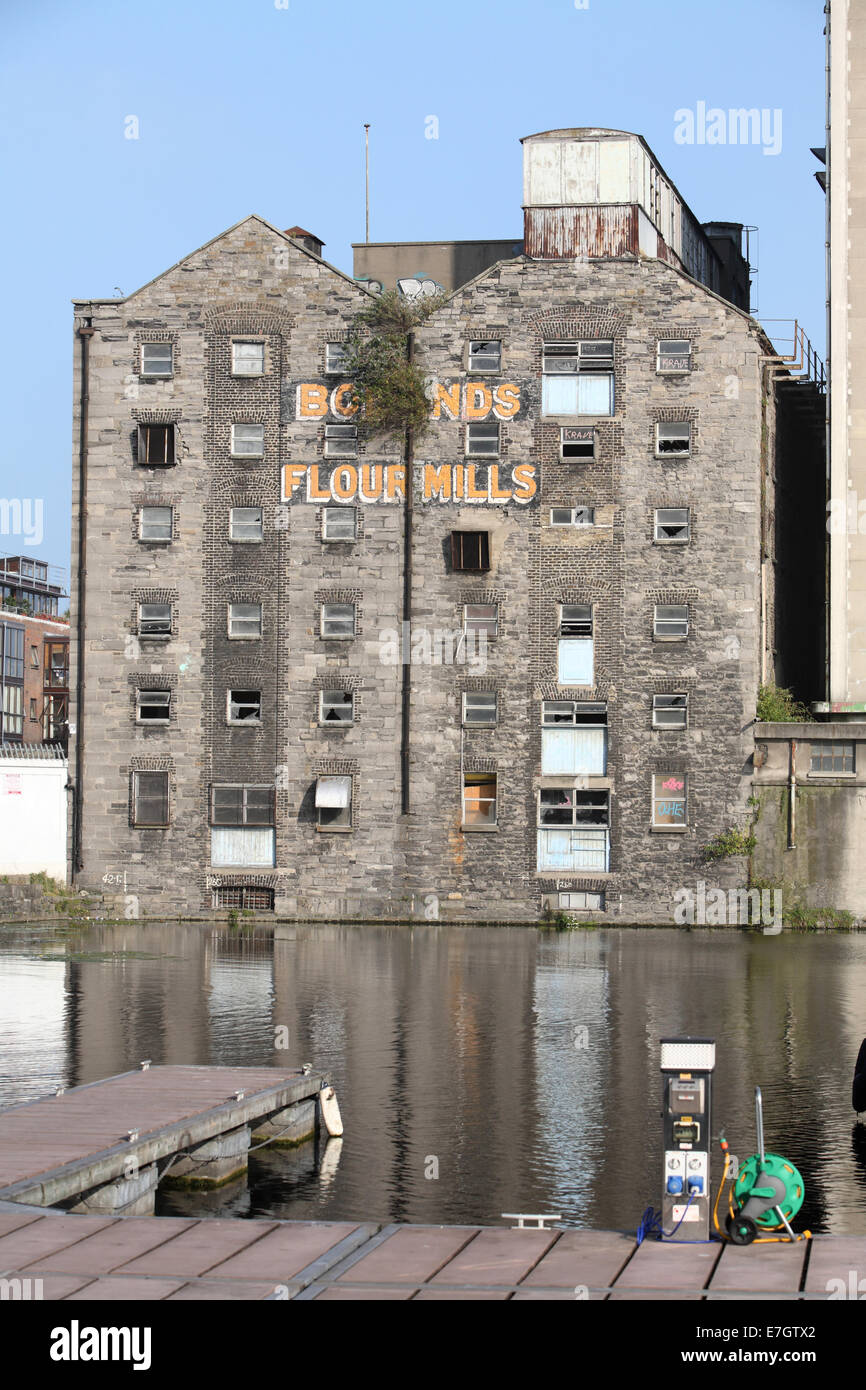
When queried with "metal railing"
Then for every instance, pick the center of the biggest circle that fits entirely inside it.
(37, 752)
(802, 361)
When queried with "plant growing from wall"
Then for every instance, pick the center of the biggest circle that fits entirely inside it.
(730, 842)
(390, 390)
(776, 705)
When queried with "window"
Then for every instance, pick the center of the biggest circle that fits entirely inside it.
(581, 901)
(12, 651)
(33, 715)
(338, 620)
(335, 357)
(481, 617)
(157, 359)
(572, 516)
(155, 524)
(34, 656)
(480, 708)
(338, 524)
(670, 711)
(573, 738)
(671, 620)
(470, 550)
(13, 711)
(334, 803)
(150, 798)
(341, 441)
(673, 437)
(246, 897)
(156, 446)
(248, 441)
(669, 799)
(479, 801)
(575, 648)
(575, 620)
(336, 707)
(672, 524)
(245, 620)
(575, 442)
(246, 524)
(673, 355)
(41, 572)
(154, 620)
(152, 706)
(573, 830)
(27, 568)
(482, 439)
(485, 355)
(578, 378)
(832, 757)
(242, 820)
(244, 706)
(248, 359)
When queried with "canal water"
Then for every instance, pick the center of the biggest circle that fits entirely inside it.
(479, 1070)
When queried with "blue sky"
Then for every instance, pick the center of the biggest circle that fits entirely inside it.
(258, 106)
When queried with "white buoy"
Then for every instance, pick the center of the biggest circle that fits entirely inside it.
(329, 1111)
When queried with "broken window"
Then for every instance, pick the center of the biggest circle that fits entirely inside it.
(672, 524)
(242, 818)
(156, 445)
(150, 798)
(244, 706)
(153, 706)
(575, 648)
(245, 620)
(335, 357)
(673, 437)
(481, 617)
(154, 620)
(577, 378)
(482, 438)
(155, 524)
(248, 359)
(479, 800)
(575, 442)
(156, 359)
(670, 711)
(248, 441)
(572, 516)
(673, 355)
(485, 355)
(671, 620)
(470, 550)
(336, 707)
(575, 620)
(334, 803)
(341, 441)
(246, 524)
(338, 524)
(832, 756)
(573, 830)
(338, 620)
(479, 707)
(669, 798)
(573, 738)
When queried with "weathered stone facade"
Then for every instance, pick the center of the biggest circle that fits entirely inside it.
(258, 286)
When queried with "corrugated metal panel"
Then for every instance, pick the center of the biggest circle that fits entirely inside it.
(566, 232)
(613, 172)
(573, 751)
(247, 848)
(573, 851)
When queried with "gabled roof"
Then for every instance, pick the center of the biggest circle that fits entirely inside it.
(253, 217)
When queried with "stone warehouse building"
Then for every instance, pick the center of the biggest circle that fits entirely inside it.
(506, 667)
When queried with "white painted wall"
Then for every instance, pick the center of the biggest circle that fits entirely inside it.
(33, 817)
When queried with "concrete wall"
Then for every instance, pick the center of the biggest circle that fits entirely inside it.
(33, 811)
(450, 263)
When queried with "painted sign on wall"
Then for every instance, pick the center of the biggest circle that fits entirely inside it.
(386, 482)
(458, 400)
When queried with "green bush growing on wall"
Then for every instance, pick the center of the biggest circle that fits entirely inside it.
(776, 705)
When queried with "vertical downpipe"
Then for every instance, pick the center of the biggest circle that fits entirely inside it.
(828, 354)
(85, 333)
(406, 628)
(792, 795)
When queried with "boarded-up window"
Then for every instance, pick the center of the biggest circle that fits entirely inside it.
(150, 798)
(239, 804)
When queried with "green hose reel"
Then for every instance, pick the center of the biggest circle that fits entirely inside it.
(747, 1187)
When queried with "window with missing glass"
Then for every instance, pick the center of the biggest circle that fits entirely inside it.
(577, 443)
(470, 550)
(575, 647)
(154, 620)
(153, 706)
(573, 738)
(578, 378)
(572, 516)
(479, 708)
(670, 711)
(336, 707)
(485, 355)
(573, 830)
(156, 445)
(831, 756)
(244, 706)
(672, 524)
(673, 437)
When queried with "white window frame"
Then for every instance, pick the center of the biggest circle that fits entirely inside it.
(577, 516)
(330, 368)
(667, 636)
(341, 441)
(686, 525)
(246, 540)
(236, 690)
(682, 708)
(232, 619)
(565, 901)
(148, 371)
(491, 699)
(487, 778)
(156, 540)
(154, 636)
(140, 693)
(325, 704)
(474, 365)
(478, 624)
(586, 364)
(324, 619)
(246, 453)
(332, 514)
(667, 370)
(342, 822)
(675, 797)
(237, 360)
(674, 453)
(486, 431)
(590, 455)
(588, 622)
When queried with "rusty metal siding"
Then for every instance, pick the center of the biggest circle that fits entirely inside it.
(563, 233)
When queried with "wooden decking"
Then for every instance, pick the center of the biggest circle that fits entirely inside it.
(165, 1258)
(55, 1148)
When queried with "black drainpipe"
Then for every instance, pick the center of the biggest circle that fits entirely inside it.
(405, 628)
(85, 333)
